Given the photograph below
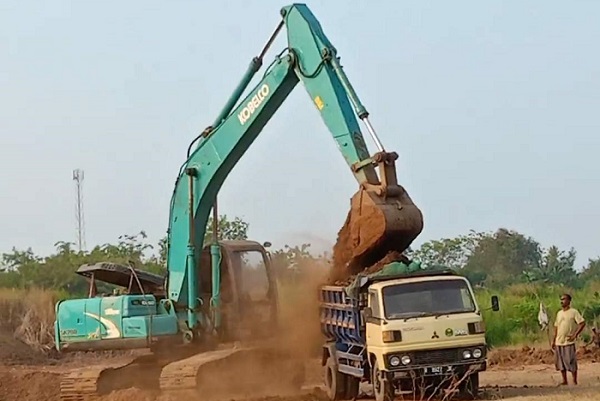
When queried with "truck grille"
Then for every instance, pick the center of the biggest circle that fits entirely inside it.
(440, 356)
(436, 357)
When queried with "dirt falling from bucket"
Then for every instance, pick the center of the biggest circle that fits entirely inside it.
(370, 225)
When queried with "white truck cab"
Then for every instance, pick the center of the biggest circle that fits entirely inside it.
(422, 330)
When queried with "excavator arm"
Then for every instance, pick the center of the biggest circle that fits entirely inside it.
(382, 219)
(309, 58)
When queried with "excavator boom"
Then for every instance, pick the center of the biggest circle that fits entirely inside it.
(382, 217)
(189, 312)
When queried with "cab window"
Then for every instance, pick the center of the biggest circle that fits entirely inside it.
(374, 304)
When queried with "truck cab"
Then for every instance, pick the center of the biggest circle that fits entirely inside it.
(409, 332)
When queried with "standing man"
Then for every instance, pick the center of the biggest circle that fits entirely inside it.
(568, 325)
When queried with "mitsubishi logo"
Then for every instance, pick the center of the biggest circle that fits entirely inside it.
(435, 335)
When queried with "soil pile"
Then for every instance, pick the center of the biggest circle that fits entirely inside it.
(536, 356)
(141, 395)
(132, 394)
(391, 257)
(29, 386)
(15, 352)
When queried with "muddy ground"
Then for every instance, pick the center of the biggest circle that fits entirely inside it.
(513, 374)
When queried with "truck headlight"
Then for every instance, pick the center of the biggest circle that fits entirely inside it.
(476, 353)
(405, 360)
(466, 354)
(394, 361)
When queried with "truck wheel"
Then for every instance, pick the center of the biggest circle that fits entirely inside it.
(382, 389)
(469, 388)
(335, 382)
(352, 387)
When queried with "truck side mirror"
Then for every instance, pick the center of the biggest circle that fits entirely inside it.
(368, 312)
(495, 303)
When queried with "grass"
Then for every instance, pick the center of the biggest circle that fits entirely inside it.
(28, 316)
(517, 321)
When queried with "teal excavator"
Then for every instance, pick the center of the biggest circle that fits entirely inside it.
(214, 320)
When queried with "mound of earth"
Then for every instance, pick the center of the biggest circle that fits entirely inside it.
(15, 352)
(141, 395)
(132, 394)
(29, 386)
(536, 356)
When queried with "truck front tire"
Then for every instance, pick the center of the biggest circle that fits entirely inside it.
(382, 389)
(352, 387)
(335, 381)
(469, 388)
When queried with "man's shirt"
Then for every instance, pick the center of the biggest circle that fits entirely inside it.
(566, 324)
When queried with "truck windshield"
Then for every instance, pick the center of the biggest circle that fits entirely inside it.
(427, 298)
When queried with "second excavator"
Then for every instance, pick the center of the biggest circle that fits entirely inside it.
(206, 315)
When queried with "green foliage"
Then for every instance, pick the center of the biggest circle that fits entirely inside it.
(449, 252)
(517, 320)
(503, 256)
(24, 269)
(591, 271)
(293, 263)
(227, 229)
(504, 263)
(555, 267)
(523, 274)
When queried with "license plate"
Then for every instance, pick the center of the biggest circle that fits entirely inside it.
(438, 370)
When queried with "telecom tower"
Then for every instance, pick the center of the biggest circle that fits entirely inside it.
(78, 178)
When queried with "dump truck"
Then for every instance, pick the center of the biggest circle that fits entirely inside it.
(403, 328)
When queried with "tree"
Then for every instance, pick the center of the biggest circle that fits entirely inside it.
(227, 229)
(556, 267)
(236, 229)
(503, 257)
(591, 272)
(447, 252)
(294, 263)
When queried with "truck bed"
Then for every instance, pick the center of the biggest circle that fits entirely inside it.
(341, 315)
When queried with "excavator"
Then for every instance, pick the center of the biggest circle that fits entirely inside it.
(214, 321)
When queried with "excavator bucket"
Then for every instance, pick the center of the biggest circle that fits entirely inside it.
(382, 219)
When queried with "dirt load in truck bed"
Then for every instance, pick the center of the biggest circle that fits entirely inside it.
(337, 278)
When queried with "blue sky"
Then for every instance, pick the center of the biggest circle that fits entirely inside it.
(492, 106)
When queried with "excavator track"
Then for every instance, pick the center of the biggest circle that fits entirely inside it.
(183, 375)
(82, 384)
(222, 372)
(234, 371)
(89, 383)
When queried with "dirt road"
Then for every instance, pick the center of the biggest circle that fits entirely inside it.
(518, 383)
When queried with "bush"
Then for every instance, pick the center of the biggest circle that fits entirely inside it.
(28, 316)
(517, 321)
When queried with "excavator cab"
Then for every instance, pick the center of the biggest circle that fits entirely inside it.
(248, 290)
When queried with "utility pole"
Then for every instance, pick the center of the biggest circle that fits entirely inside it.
(78, 178)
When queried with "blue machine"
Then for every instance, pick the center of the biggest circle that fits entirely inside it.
(113, 321)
